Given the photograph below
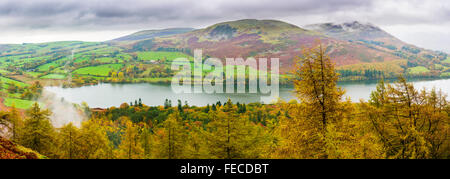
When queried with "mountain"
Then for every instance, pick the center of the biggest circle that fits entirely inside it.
(361, 51)
(242, 38)
(374, 37)
(348, 43)
(352, 31)
(148, 34)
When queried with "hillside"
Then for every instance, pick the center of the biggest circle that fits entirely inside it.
(374, 37)
(10, 150)
(149, 34)
(270, 38)
(353, 31)
(361, 52)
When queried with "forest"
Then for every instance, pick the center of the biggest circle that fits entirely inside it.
(398, 122)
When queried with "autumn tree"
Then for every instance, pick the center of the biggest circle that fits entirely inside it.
(95, 141)
(321, 108)
(316, 84)
(233, 136)
(147, 141)
(196, 145)
(69, 142)
(409, 123)
(16, 122)
(171, 138)
(130, 146)
(38, 133)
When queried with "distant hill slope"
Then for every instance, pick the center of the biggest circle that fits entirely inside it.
(361, 51)
(352, 31)
(376, 38)
(267, 38)
(148, 34)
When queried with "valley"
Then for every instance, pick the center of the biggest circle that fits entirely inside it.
(360, 51)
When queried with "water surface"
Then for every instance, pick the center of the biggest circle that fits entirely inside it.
(107, 94)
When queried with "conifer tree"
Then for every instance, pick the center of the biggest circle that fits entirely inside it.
(130, 146)
(408, 122)
(68, 142)
(38, 133)
(232, 136)
(172, 138)
(95, 141)
(316, 84)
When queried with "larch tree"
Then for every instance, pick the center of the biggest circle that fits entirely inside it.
(38, 133)
(130, 146)
(408, 122)
(321, 109)
(171, 138)
(16, 122)
(196, 147)
(68, 142)
(316, 84)
(233, 136)
(95, 143)
(147, 141)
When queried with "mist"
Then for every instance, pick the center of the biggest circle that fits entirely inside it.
(63, 112)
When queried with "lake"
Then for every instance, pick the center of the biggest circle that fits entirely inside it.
(106, 94)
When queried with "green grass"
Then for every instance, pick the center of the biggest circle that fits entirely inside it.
(447, 60)
(33, 74)
(81, 59)
(101, 70)
(55, 64)
(54, 76)
(446, 74)
(6, 81)
(438, 67)
(106, 60)
(3, 71)
(159, 55)
(418, 70)
(19, 103)
(124, 56)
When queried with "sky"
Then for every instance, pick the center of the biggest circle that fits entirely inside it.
(424, 23)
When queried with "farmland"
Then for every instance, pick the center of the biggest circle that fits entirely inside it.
(101, 70)
(19, 103)
(418, 70)
(158, 55)
(54, 76)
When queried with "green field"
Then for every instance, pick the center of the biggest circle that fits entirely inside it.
(418, 70)
(3, 71)
(107, 60)
(446, 74)
(81, 59)
(19, 103)
(100, 70)
(57, 63)
(447, 60)
(6, 81)
(54, 76)
(33, 74)
(162, 55)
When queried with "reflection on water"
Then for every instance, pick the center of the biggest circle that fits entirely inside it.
(107, 95)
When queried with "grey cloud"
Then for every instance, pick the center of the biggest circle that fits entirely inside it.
(56, 13)
(116, 13)
(74, 16)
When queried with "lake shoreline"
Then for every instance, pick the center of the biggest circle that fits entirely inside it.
(104, 95)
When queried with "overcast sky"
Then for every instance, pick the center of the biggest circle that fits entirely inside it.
(425, 23)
